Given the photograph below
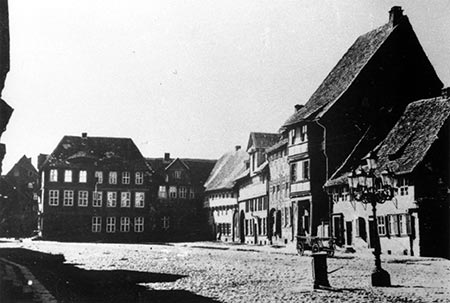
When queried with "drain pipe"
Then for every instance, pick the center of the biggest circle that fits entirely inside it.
(326, 172)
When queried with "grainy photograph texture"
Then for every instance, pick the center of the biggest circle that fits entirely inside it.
(224, 151)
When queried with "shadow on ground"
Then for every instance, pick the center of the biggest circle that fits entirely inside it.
(68, 283)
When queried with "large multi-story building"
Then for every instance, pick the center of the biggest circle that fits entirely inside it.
(178, 193)
(253, 186)
(416, 220)
(96, 188)
(221, 195)
(356, 105)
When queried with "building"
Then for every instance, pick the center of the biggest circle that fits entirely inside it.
(416, 220)
(96, 189)
(221, 195)
(5, 109)
(253, 186)
(356, 105)
(281, 227)
(19, 200)
(178, 198)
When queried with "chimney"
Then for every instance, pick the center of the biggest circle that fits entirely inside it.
(395, 15)
(41, 160)
(84, 135)
(446, 92)
(166, 157)
(298, 107)
(237, 147)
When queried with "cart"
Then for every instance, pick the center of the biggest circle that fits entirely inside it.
(315, 244)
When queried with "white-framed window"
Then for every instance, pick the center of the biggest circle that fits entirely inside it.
(97, 199)
(53, 197)
(112, 177)
(67, 175)
(139, 198)
(400, 225)
(124, 224)
(82, 177)
(165, 220)
(173, 192)
(162, 193)
(83, 198)
(139, 177)
(68, 198)
(300, 171)
(99, 177)
(96, 224)
(303, 133)
(53, 175)
(183, 192)
(191, 193)
(126, 177)
(177, 174)
(381, 222)
(292, 136)
(111, 199)
(403, 185)
(125, 199)
(139, 224)
(111, 224)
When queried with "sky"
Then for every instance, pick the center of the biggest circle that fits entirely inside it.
(191, 77)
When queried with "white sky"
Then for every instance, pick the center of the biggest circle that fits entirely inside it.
(193, 77)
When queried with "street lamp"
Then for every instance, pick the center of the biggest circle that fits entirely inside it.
(369, 186)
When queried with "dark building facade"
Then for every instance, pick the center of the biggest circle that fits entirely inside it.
(178, 198)
(356, 105)
(96, 189)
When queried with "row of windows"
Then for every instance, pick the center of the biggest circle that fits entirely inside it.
(222, 196)
(277, 155)
(224, 229)
(300, 171)
(112, 177)
(260, 226)
(124, 224)
(256, 204)
(279, 191)
(298, 135)
(394, 225)
(176, 192)
(97, 198)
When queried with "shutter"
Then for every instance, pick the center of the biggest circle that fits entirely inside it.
(408, 224)
(388, 226)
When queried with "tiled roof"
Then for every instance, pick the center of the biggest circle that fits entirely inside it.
(99, 149)
(227, 168)
(24, 163)
(408, 142)
(262, 140)
(343, 74)
(277, 146)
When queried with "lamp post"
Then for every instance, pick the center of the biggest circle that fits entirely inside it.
(369, 186)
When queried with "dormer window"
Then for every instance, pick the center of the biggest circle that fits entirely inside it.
(303, 133)
(177, 174)
(292, 135)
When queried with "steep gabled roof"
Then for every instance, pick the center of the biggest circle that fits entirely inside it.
(99, 149)
(25, 164)
(343, 74)
(227, 168)
(409, 141)
(262, 140)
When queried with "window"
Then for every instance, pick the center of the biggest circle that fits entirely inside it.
(96, 224)
(139, 178)
(68, 198)
(53, 197)
(139, 224)
(82, 178)
(303, 134)
(99, 177)
(125, 224)
(403, 184)
(126, 177)
(286, 216)
(305, 170)
(381, 225)
(183, 192)
(177, 174)
(125, 199)
(294, 172)
(97, 199)
(292, 135)
(111, 199)
(67, 175)
(173, 191)
(53, 175)
(165, 222)
(111, 224)
(191, 193)
(112, 177)
(82, 198)
(139, 200)
(162, 193)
